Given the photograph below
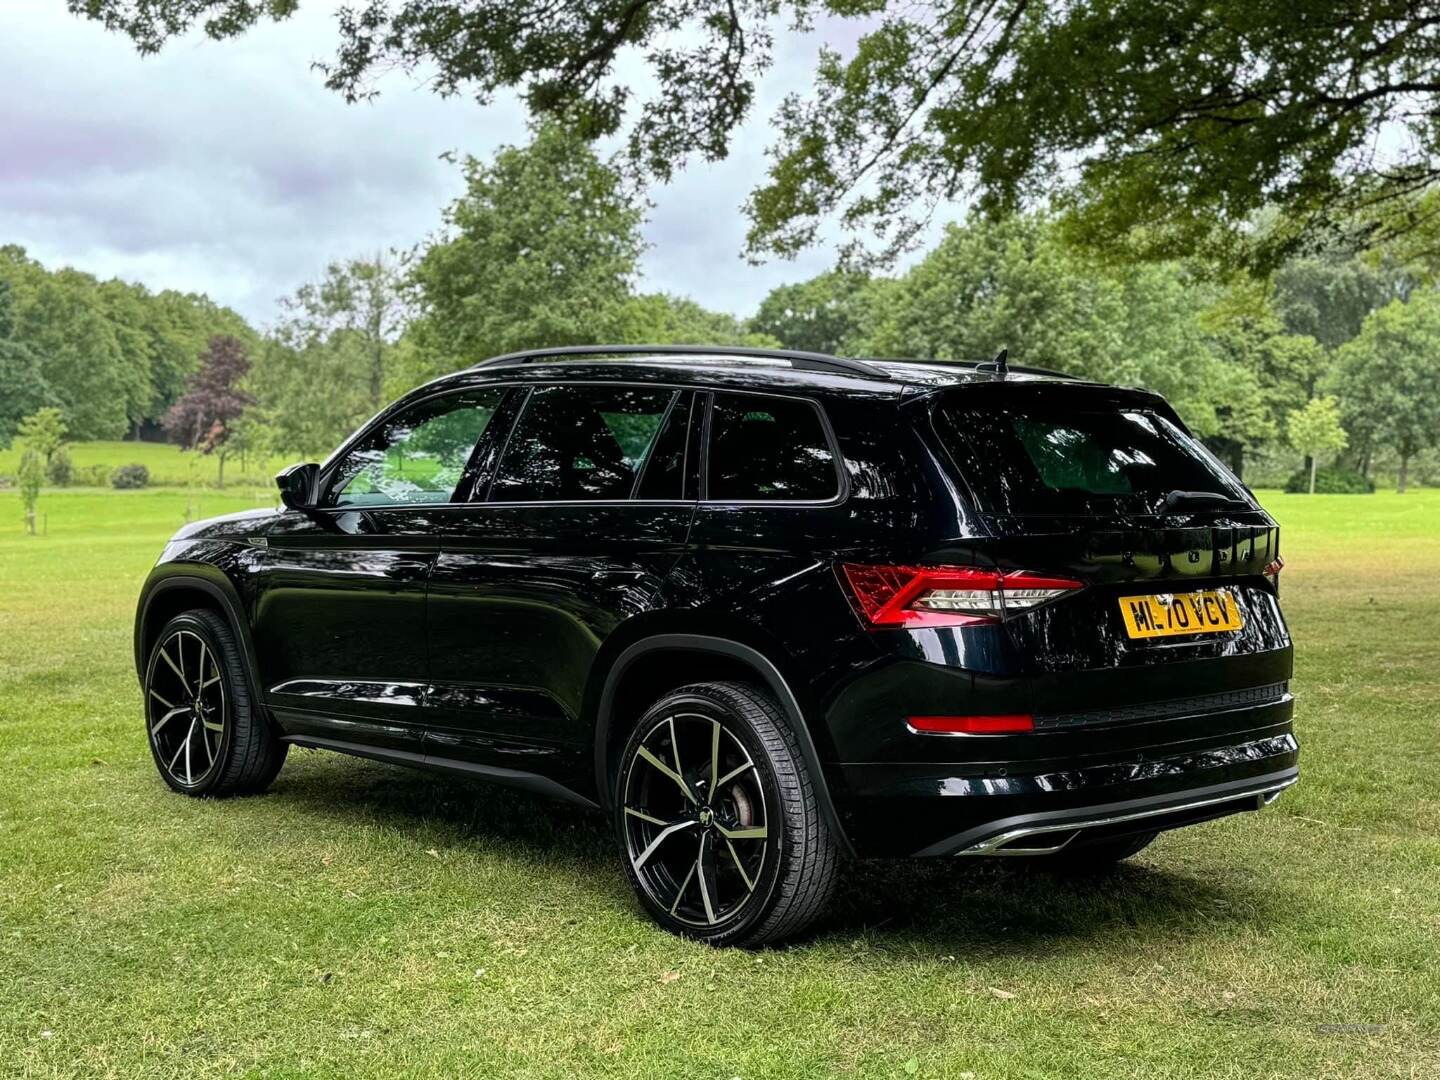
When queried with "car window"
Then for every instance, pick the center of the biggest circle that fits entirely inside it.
(575, 443)
(1038, 456)
(664, 476)
(769, 448)
(416, 456)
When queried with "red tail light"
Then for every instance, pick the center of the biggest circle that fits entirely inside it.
(1272, 571)
(923, 596)
(972, 725)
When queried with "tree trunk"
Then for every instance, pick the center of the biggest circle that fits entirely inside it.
(1312, 474)
(221, 482)
(30, 521)
(1404, 471)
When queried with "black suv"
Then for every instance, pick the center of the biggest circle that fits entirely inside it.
(766, 609)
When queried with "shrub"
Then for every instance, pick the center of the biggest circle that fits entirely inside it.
(1329, 481)
(130, 476)
(93, 476)
(60, 470)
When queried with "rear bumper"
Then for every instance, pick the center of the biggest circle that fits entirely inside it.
(1013, 808)
(1047, 833)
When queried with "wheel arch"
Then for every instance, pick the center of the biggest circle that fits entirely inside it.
(719, 657)
(173, 592)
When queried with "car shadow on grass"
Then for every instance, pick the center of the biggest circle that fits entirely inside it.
(943, 906)
(1016, 906)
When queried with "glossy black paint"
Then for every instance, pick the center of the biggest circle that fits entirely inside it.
(516, 640)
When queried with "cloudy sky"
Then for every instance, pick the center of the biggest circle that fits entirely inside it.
(228, 168)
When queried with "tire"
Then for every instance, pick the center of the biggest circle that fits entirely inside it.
(206, 734)
(766, 860)
(1098, 857)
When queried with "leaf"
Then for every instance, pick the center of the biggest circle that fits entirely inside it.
(912, 1066)
(667, 977)
(1003, 995)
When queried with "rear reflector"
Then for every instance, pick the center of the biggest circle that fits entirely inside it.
(924, 596)
(1005, 724)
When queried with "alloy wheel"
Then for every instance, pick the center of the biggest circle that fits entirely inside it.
(695, 816)
(186, 707)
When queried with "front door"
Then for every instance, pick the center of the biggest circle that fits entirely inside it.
(340, 596)
(583, 520)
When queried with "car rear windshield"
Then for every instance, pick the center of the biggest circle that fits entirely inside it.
(1032, 456)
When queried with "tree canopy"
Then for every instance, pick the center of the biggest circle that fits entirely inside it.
(1389, 379)
(541, 249)
(111, 355)
(1163, 129)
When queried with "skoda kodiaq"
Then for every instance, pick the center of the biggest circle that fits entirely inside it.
(767, 610)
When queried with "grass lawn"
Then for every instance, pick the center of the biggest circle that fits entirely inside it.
(169, 466)
(365, 921)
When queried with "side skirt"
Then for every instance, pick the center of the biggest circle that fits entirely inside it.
(525, 781)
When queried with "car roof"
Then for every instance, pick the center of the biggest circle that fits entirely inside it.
(733, 367)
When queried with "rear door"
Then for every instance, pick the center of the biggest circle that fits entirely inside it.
(1106, 487)
(583, 517)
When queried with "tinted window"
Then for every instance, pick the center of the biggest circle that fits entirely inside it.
(769, 448)
(1036, 457)
(579, 442)
(664, 476)
(416, 456)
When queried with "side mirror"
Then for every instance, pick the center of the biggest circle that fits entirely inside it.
(297, 485)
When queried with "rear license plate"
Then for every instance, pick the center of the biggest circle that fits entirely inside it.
(1176, 614)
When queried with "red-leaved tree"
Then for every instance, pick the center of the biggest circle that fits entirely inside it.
(204, 416)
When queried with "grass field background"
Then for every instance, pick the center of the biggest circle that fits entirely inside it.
(169, 465)
(365, 921)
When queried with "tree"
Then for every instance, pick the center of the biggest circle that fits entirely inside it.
(1168, 126)
(43, 432)
(362, 303)
(825, 314)
(1316, 430)
(32, 475)
(662, 319)
(1327, 296)
(1389, 379)
(540, 250)
(204, 417)
(23, 388)
(1016, 285)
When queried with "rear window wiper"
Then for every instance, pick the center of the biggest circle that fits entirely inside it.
(1175, 500)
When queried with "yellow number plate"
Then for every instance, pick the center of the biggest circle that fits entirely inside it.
(1176, 614)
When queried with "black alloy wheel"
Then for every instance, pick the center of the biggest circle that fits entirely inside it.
(717, 820)
(205, 735)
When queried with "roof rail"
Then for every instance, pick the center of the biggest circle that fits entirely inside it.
(977, 365)
(803, 361)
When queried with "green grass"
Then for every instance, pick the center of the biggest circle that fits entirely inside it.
(169, 466)
(366, 921)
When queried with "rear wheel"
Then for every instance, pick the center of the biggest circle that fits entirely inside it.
(206, 735)
(717, 820)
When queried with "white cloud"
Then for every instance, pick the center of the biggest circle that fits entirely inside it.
(228, 168)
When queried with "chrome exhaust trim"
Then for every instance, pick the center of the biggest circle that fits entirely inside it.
(995, 845)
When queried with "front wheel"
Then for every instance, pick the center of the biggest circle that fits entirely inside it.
(721, 834)
(206, 734)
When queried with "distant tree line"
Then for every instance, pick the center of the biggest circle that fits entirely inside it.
(111, 355)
